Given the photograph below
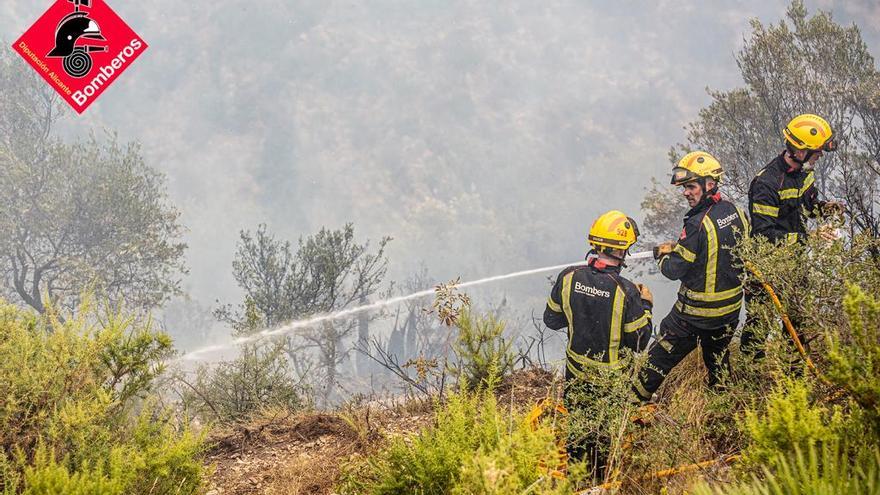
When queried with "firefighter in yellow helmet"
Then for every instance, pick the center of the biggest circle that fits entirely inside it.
(710, 296)
(783, 195)
(604, 312)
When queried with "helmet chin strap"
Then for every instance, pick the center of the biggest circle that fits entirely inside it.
(801, 162)
(706, 192)
(606, 251)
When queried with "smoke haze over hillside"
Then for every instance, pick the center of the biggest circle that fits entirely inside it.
(482, 136)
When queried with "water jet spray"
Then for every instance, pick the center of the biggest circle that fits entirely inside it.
(307, 322)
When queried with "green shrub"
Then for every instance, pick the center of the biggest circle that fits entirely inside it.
(46, 476)
(480, 349)
(260, 377)
(475, 447)
(854, 358)
(826, 470)
(76, 415)
(789, 422)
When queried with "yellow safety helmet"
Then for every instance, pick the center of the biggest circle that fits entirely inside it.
(613, 230)
(694, 166)
(809, 132)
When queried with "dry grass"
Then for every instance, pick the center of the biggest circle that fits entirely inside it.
(680, 434)
(284, 453)
(303, 453)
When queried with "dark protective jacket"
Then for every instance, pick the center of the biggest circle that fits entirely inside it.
(603, 311)
(711, 293)
(779, 201)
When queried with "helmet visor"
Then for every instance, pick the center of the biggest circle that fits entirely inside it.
(682, 175)
(635, 227)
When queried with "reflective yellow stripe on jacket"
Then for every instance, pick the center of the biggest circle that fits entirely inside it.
(711, 253)
(614, 331)
(616, 326)
(770, 211)
(808, 182)
(795, 192)
(789, 193)
(708, 312)
(585, 361)
(685, 253)
(638, 323)
(710, 296)
(744, 219)
(566, 302)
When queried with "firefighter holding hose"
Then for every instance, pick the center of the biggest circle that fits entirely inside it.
(604, 313)
(782, 196)
(710, 296)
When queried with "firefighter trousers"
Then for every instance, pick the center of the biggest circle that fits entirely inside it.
(677, 339)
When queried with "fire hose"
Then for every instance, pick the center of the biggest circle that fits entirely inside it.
(664, 473)
(786, 322)
(545, 405)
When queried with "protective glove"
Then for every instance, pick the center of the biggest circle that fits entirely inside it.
(663, 249)
(645, 292)
(831, 208)
(827, 233)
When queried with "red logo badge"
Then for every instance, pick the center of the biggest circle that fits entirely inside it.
(80, 47)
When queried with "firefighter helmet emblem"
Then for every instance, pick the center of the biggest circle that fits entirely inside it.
(73, 29)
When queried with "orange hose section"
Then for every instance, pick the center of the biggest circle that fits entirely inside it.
(734, 457)
(665, 473)
(786, 322)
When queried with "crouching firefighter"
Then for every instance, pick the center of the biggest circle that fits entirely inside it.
(604, 313)
(781, 197)
(710, 296)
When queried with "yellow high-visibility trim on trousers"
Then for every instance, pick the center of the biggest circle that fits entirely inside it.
(711, 254)
(708, 312)
(770, 211)
(643, 394)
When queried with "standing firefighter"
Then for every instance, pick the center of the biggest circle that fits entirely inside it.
(710, 297)
(782, 195)
(604, 313)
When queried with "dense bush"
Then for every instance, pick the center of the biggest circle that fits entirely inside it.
(480, 349)
(817, 470)
(477, 446)
(76, 416)
(260, 377)
(789, 421)
(808, 412)
(854, 359)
